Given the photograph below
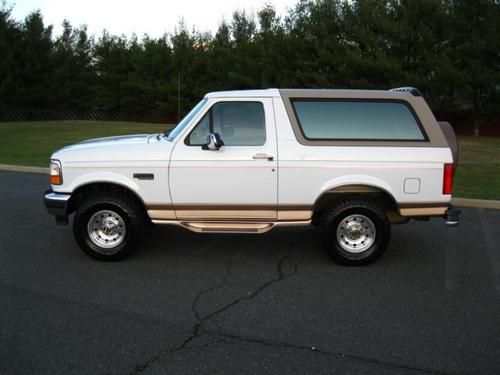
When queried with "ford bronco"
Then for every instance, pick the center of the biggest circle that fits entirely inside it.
(351, 162)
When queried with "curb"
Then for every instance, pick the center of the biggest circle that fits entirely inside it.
(23, 169)
(475, 203)
(459, 202)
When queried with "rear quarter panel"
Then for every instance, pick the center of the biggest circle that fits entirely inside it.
(305, 172)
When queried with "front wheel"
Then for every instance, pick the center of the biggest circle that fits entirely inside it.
(355, 232)
(107, 227)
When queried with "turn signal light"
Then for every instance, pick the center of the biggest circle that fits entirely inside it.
(55, 172)
(447, 179)
(55, 180)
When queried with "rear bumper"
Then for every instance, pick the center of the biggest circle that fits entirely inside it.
(57, 205)
(450, 213)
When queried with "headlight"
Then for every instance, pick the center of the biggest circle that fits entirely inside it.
(55, 172)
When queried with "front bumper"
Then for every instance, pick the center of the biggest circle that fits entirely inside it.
(57, 205)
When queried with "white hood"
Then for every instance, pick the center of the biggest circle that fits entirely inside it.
(110, 141)
(127, 147)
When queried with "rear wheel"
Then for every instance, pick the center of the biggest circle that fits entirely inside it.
(355, 232)
(108, 227)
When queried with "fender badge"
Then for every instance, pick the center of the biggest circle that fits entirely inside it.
(144, 176)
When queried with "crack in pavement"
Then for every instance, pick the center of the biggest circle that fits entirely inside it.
(278, 344)
(225, 282)
(197, 329)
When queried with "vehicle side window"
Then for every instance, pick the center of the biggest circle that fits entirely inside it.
(357, 120)
(200, 133)
(237, 123)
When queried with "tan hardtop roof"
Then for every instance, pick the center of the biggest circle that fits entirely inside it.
(347, 94)
(314, 93)
(409, 95)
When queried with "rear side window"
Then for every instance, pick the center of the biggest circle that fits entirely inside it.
(357, 120)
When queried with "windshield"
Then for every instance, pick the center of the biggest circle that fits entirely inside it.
(186, 120)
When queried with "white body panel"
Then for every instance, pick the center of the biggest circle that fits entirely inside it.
(115, 160)
(230, 175)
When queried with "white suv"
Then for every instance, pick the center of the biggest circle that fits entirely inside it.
(348, 161)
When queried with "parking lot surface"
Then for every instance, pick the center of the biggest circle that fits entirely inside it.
(255, 304)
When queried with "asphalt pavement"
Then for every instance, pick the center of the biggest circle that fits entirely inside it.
(245, 304)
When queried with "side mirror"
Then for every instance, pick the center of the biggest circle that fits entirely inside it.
(213, 142)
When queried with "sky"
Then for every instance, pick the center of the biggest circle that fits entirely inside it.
(154, 17)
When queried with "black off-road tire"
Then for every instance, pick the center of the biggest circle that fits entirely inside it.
(125, 213)
(347, 222)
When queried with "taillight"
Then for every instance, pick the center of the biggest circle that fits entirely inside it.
(447, 179)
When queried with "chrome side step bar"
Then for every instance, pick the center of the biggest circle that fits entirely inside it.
(231, 226)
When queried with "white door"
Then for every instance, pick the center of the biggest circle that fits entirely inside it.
(237, 181)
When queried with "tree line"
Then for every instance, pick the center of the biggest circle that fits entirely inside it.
(450, 49)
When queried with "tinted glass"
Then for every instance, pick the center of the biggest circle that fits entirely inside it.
(360, 120)
(238, 124)
(200, 133)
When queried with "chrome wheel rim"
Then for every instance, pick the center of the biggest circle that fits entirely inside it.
(106, 229)
(356, 233)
